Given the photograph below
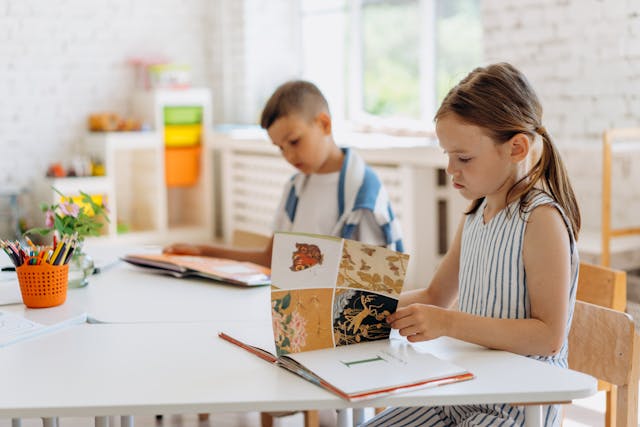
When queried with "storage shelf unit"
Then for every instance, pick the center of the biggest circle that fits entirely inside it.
(133, 164)
(183, 119)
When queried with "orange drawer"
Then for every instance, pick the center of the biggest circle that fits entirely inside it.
(182, 166)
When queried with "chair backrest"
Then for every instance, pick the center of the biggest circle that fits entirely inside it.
(603, 343)
(249, 239)
(609, 138)
(602, 286)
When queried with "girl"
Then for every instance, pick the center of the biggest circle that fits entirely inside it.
(513, 264)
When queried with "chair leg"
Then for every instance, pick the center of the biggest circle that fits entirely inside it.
(266, 419)
(611, 413)
(311, 419)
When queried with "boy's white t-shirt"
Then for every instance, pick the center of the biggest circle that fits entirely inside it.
(317, 211)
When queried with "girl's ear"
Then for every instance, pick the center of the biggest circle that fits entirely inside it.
(324, 121)
(520, 146)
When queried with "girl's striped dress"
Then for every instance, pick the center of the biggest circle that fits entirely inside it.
(492, 283)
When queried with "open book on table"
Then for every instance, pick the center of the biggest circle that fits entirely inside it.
(219, 269)
(329, 301)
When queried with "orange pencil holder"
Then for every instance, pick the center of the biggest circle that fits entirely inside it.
(43, 285)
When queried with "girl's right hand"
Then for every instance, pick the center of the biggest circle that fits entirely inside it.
(419, 322)
(182, 249)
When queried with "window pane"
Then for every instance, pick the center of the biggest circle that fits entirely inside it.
(324, 52)
(390, 47)
(459, 42)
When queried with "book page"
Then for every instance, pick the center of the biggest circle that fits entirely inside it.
(380, 366)
(9, 288)
(328, 292)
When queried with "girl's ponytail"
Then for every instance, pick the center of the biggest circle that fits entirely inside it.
(550, 171)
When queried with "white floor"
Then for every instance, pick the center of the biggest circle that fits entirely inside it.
(587, 412)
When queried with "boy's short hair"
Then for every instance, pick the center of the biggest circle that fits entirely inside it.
(294, 97)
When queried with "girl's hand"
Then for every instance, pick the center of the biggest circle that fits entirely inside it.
(419, 322)
(182, 249)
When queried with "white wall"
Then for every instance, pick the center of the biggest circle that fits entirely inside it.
(583, 58)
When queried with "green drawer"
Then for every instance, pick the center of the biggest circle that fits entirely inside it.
(183, 115)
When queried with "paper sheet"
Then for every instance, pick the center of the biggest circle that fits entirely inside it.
(9, 288)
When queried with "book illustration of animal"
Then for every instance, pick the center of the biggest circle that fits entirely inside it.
(305, 256)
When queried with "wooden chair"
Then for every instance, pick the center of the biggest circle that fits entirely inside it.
(602, 286)
(249, 239)
(603, 343)
(609, 137)
(605, 287)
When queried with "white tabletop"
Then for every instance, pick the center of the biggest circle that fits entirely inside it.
(145, 369)
(158, 352)
(127, 294)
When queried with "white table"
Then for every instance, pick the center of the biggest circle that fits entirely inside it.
(127, 294)
(160, 353)
(145, 369)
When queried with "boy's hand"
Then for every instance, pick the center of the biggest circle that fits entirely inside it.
(419, 322)
(182, 249)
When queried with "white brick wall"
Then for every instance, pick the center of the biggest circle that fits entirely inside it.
(62, 60)
(583, 58)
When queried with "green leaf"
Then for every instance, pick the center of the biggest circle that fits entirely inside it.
(286, 301)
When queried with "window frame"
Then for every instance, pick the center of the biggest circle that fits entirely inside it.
(427, 76)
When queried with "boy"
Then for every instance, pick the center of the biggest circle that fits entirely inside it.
(335, 193)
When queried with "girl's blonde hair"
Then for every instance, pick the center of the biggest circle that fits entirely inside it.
(499, 99)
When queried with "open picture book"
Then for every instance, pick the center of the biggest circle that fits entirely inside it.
(329, 301)
(219, 269)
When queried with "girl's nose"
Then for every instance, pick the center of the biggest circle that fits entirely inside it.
(450, 170)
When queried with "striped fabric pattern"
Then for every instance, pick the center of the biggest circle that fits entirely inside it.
(359, 189)
(492, 283)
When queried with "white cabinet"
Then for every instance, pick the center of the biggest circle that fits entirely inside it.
(134, 182)
(157, 183)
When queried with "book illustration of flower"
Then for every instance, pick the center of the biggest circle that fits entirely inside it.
(305, 256)
(289, 328)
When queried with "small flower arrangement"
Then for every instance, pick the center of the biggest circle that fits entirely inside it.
(69, 217)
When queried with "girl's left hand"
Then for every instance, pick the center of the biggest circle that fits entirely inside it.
(419, 322)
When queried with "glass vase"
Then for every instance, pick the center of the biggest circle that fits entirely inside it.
(80, 268)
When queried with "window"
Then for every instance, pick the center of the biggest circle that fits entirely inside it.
(389, 62)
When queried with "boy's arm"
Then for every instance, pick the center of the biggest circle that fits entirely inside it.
(260, 256)
(443, 288)
(547, 262)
